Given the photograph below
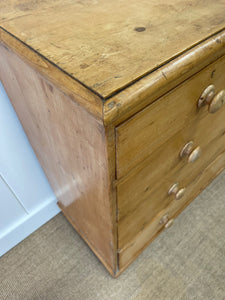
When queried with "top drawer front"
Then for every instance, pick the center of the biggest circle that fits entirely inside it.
(146, 131)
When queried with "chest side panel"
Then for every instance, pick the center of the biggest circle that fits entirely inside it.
(71, 147)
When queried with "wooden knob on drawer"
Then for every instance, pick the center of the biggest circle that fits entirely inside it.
(166, 221)
(189, 151)
(210, 98)
(217, 102)
(169, 223)
(176, 191)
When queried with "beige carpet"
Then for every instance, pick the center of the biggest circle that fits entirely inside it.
(185, 262)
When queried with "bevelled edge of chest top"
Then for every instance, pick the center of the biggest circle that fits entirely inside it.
(133, 98)
(106, 46)
(77, 92)
(148, 89)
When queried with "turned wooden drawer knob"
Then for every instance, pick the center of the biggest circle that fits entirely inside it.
(189, 151)
(176, 191)
(213, 100)
(166, 221)
(169, 223)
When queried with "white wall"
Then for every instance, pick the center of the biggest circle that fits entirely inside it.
(26, 198)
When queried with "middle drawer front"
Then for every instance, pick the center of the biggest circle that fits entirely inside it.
(143, 193)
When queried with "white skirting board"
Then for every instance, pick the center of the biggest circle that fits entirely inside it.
(27, 225)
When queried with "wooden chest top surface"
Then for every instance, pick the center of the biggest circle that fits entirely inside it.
(107, 45)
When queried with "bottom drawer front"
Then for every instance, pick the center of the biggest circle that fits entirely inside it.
(141, 240)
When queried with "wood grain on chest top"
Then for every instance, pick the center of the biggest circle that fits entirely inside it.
(107, 45)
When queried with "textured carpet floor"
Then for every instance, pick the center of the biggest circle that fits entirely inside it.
(186, 261)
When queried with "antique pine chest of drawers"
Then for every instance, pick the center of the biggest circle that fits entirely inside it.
(122, 102)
